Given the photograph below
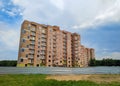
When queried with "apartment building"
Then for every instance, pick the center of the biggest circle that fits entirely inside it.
(46, 45)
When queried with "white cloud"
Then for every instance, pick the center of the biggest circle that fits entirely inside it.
(39, 11)
(82, 14)
(9, 37)
(113, 55)
(13, 12)
(58, 3)
(109, 14)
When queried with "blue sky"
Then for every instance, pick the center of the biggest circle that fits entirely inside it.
(97, 21)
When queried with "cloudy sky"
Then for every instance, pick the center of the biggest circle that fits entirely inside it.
(97, 21)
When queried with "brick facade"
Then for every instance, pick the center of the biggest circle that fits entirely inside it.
(45, 45)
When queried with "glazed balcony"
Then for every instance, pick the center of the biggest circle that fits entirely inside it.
(32, 33)
(32, 38)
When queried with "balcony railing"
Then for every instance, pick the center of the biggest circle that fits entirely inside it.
(42, 57)
(32, 52)
(31, 57)
(32, 43)
(43, 45)
(54, 46)
(43, 40)
(30, 61)
(43, 48)
(33, 29)
(32, 34)
(32, 47)
(43, 35)
(32, 38)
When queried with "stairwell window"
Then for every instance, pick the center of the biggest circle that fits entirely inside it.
(26, 56)
(23, 40)
(23, 31)
(22, 49)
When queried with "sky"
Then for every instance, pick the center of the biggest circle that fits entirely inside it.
(97, 21)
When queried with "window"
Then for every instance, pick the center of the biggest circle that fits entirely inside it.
(49, 56)
(26, 55)
(22, 50)
(76, 37)
(43, 31)
(32, 38)
(38, 46)
(37, 55)
(33, 28)
(51, 29)
(28, 37)
(38, 42)
(49, 60)
(27, 46)
(29, 26)
(21, 60)
(25, 65)
(33, 42)
(23, 31)
(38, 51)
(40, 28)
(60, 61)
(23, 40)
(37, 65)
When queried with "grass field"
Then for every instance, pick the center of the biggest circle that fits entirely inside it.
(59, 80)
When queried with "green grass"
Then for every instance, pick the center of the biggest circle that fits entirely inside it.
(39, 80)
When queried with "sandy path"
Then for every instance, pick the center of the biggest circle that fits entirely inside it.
(91, 77)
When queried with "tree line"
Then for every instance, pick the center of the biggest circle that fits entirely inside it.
(8, 63)
(104, 62)
(93, 62)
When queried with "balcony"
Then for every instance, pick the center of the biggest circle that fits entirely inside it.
(32, 47)
(43, 48)
(33, 29)
(54, 37)
(43, 40)
(54, 46)
(32, 34)
(43, 45)
(31, 57)
(32, 51)
(64, 47)
(54, 42)
(64, 43)
(32, 42)
(75, 49)
(64, 53)
(54, 50)
(43, 52)
(43, 36)
(32, 38)
(30, 61)
(42, 57)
